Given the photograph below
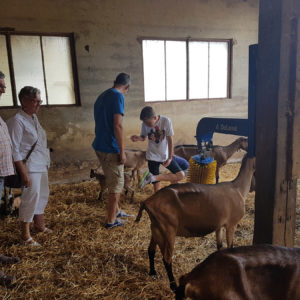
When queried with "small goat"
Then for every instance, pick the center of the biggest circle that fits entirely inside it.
(220, 153)
(9, 203)
(192, 210)
(135, 160)
(260, 272)
(101, 179)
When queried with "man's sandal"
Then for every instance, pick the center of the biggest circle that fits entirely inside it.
(32, 242)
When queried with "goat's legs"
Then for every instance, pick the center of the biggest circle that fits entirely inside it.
(151, 254)
(229, 236)
(138, 175)
(219, 238)
(167, 252)
(168, 267)
(132, 196)
(217, 175)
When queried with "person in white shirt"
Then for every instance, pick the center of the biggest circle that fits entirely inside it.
(159, 131)
(6, 169)
(26, 134)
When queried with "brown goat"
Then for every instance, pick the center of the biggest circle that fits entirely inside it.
(186, 151)
(220, 153)
(192, 210)
(101, 179)
(260, 272)
(135, 160)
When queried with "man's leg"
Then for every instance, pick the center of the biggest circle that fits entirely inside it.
(176, 175)
(170, 177)
(153, 167)
(112, 207)
(114, 177)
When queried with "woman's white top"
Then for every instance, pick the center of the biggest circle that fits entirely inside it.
(24, 131)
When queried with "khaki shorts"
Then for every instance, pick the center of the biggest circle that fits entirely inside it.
(113, 171)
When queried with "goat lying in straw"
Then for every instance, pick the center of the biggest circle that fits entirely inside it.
(192, 210)
(252, 272)
(220, 153)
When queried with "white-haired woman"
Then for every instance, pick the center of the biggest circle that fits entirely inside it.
(28, 135)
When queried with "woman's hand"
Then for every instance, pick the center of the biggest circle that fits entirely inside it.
(25, 180)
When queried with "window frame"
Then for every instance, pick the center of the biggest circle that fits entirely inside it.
(71, 37)
(187, 40)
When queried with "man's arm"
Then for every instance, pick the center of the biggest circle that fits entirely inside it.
(170, 149)
(137, 138)
(118, 131)
(16, 133)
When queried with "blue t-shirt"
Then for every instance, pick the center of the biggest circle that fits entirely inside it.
(108, 104)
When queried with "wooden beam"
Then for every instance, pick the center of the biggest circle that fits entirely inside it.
(278, 52)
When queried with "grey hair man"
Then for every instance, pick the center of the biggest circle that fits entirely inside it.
(6, 169)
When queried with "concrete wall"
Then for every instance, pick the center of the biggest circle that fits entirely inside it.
(111, 28)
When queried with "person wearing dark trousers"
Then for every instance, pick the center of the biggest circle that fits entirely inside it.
(159, 131)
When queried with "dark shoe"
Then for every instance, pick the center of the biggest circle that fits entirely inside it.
(117, 223)
(6, 260)
(6, 280)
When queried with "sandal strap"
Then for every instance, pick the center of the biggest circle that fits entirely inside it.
(31, 242)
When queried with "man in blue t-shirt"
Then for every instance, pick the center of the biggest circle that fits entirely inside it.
(109, 144)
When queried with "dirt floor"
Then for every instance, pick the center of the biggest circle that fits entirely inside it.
(83, 260)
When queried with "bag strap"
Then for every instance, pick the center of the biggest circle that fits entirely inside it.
(29, 153)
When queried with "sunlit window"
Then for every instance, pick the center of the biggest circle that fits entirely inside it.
(183, 70)
(42, 61)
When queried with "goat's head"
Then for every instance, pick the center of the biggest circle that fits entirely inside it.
(243, 143)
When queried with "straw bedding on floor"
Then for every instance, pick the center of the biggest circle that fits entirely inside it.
(83, 260)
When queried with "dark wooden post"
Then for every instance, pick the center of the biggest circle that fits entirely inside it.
(277, 121)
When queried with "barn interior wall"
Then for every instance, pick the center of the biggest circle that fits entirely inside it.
(110, 28)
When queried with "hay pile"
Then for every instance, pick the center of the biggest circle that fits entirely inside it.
(83, 260)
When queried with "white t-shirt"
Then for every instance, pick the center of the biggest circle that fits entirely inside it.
(157, 142)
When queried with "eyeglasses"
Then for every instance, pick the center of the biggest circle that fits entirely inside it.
(36, 101)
